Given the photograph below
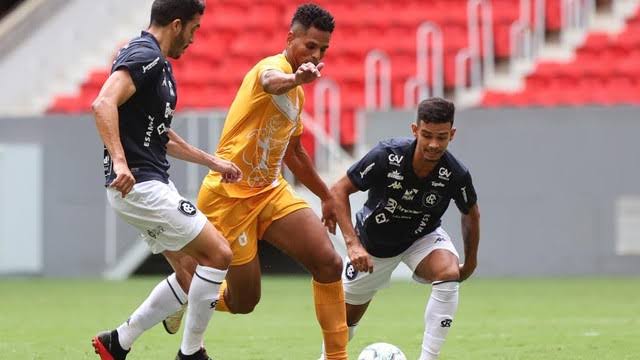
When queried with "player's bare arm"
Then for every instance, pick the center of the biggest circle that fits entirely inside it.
(298, 161)
(178, 148)
(471, 236)
(116, 91)
(277, 83)
(359, 257)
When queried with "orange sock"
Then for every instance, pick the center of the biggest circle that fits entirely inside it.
(222, 305)
(332, 316)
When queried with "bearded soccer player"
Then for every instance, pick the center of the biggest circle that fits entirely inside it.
(133, 114)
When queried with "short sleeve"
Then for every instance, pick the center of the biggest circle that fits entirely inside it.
(143, 65)
(366, 172)
(465, 194)
(272, 63)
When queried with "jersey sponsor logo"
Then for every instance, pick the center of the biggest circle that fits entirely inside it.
(381, 218)
(423, 224)
(162, 128)
(147, 138)
(350, 271)
(464, 194)
(409, 194)
(366, 170)
(444, 174)
(106, 164)
(168, 111)
(431, 199)
(391, 206)
(187, 208)
(395, 185)
(395, 160)
(395, 174)
(243, 239)
(150, 65)
(437, 184)
(155, 232)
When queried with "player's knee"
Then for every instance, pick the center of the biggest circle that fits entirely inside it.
(328, 269)
(448, 273)
(246, 306)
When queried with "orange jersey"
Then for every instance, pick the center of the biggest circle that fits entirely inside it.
(257, 131)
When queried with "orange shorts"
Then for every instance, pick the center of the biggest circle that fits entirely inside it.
(243, 221)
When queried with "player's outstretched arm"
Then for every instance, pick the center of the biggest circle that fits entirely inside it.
(116, 91)
(298, 161)
(359, 257)
(471, 236)
(277, 83)
(178, 148)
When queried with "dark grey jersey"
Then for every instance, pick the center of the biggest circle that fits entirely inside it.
(146, 117)
(401, 207)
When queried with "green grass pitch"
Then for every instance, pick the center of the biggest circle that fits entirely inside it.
(569, 318)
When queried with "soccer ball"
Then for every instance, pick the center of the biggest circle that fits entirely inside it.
(381, 351)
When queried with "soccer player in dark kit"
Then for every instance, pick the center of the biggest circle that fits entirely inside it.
(411, 182)
(133, 114)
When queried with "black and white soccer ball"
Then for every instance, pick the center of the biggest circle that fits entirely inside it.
(381, 351)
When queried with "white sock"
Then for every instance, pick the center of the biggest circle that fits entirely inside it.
(438, 317)
(203, 296)
(164, 300)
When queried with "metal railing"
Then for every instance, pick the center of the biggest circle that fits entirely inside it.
(377, 80)
(576, 16)
(481, 58)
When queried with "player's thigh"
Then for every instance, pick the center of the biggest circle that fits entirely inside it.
(166, 220)
(433, 258)
(209, 248)
(302, 236)
(236, 219)
(361, 286)
(243, 286)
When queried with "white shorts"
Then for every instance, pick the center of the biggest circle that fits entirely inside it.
(166, 220)
(360, 287)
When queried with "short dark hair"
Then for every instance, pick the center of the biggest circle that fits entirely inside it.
(312, 15)
(163, 12)
(436, 110)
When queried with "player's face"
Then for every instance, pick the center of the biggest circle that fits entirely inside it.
(184, 36)
(307, 46)
(433, 139)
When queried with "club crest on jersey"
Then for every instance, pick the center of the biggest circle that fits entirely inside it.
(187, 208)
(430, 199)
(395, 174)
(395, 160)
(350, 271)
(444, 174)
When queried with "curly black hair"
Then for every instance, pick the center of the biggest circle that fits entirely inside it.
(312, 15)
(436, 110)
(164, 12)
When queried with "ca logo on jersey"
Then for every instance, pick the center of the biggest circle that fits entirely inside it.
(430, 199)
(350, 271)
(187, 208)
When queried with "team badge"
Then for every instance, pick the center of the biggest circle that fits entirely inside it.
(350, 271)
(187, 208)
(430, 199)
